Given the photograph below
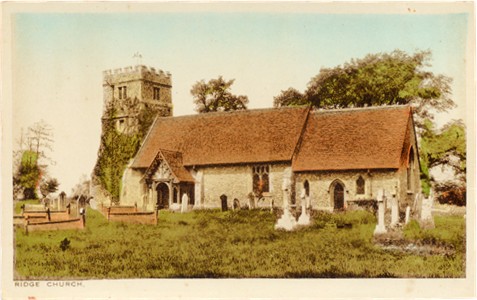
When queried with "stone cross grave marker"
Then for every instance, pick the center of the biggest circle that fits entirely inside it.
(380, 227)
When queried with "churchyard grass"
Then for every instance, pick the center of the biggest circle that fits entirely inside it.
(18, 205)
(236, 244)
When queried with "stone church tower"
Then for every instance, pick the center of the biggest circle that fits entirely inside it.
(132, 98)
(133, 90)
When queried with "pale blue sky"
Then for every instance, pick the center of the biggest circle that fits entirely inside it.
(59, 58)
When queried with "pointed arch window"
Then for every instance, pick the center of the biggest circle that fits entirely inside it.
(360, 185)
(261, 180)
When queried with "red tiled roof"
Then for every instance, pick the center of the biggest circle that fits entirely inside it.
(370, 138)
(366, 138)
(249, 136)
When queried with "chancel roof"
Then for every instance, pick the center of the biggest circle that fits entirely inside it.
(351, 139)
(366, 138)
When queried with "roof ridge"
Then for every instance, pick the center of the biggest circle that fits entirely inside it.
(232, 112)
(367, 108)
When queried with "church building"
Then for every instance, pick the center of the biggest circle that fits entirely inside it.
(339, 159)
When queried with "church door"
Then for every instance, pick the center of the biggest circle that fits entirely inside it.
(338, 196)
(162, 195)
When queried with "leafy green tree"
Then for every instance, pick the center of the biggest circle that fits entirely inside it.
(49, 186)
(30, 158)
(446, 149)
(215, 95)
(381, 79)
(28, 175)
(289, 97)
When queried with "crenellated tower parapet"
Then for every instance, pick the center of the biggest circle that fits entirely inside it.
(134, 90)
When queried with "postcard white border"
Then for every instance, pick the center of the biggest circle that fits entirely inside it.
(234, 288)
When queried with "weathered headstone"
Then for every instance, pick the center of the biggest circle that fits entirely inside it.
(286, 221)
(426, 220)
(380, 227)
(93, 204)
(223, 201)
(304, 218)
(408, 214)
(394, 211)
(236, 205)
(185, 203)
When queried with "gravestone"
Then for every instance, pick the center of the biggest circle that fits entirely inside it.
(185, 203)
(304, 218)
(394, 211)
(408, 214)
(223, 201)
(236, 204)
(380, 227)
(286, 221)
(93, 204)
(426, 220)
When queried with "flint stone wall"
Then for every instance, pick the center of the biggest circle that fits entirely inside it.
(237, 182)
(320, 185)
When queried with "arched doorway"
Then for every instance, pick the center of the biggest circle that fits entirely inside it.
(337, 195)
(162, 195)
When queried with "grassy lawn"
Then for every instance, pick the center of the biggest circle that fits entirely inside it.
(18, 205)
(236, 244)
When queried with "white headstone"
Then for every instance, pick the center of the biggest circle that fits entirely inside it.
(380, 228)
(286, 186)
(304, 218)
(93, 204)
(408, 214)
(286, 221)
(426, 210)
(185, 203)
(394, 211)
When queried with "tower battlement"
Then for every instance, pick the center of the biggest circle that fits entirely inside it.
(134, 90)
(139, 72)
(142, 69)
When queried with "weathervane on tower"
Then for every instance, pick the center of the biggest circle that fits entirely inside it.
(138, 57)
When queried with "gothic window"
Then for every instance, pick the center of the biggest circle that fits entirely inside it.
(410, 170)
(156, 93)
(123, 94)
(360, 186)
(261, 179)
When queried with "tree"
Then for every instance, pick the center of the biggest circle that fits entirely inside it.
(382, 79)
(30, 159)
(49, 186)
(40, 139)
(215, 95)
(445, 149)
(27, 177)
(289, 97)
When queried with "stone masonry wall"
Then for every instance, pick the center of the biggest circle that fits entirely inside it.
(320, 183)
(132, 189)
(237, 182)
